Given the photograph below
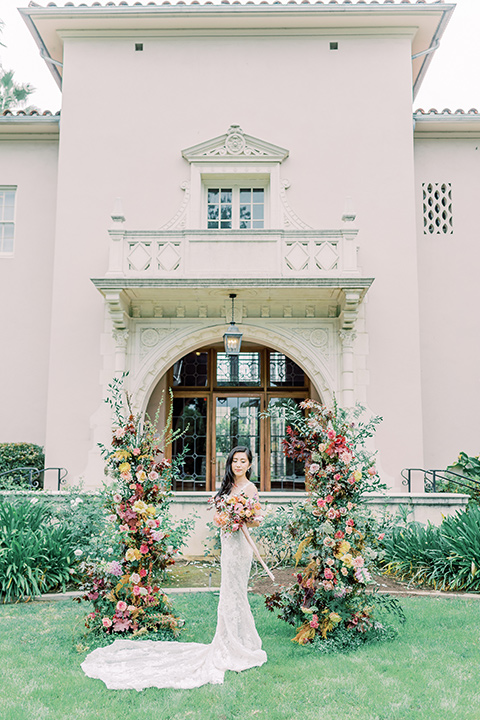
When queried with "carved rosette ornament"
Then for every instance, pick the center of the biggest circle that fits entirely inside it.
(235, 140)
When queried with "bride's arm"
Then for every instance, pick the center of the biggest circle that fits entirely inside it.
(252, 492)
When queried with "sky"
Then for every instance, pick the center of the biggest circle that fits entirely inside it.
(453, 79)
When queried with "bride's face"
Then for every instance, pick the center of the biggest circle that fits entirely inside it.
(240, 464)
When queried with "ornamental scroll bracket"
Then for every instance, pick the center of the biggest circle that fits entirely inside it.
(348, 317)
(117, 311)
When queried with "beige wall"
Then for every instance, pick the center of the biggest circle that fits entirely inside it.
(449, 300)
(26, 289)
(345, 117)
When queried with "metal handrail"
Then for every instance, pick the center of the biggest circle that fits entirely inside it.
(34, 475)
(430, 483)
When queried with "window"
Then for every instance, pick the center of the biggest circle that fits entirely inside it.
(220, 401)
(7, 225)
(236, 208)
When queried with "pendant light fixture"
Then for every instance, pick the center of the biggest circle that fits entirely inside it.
(233, 337)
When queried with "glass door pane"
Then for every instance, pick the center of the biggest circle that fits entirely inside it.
(190, 415)
(285, 474)
(237, 422)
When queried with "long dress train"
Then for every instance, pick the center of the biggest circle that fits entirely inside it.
(138, 664)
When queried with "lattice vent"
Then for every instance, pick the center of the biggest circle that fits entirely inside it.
(437, 209)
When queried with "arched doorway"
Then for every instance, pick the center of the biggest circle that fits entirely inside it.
(220, 401)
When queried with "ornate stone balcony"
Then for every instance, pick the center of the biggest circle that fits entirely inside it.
(233, 254)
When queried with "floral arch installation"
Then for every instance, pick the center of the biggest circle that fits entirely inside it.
(221, 401)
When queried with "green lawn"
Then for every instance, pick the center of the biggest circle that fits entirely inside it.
(429, 672)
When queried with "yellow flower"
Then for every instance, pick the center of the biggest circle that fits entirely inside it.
(343, 548)
(124, 467)
(130, 555)
(347, 559)
(121, 454)
(334, 617)
(357, 475)
(151, 509)
(140, 507)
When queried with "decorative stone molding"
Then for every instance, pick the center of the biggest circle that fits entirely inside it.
(116, 309)
(178, 220)
(353, 298)
(121, 338)
(347, 338)
(193, 335)
(235, 145)
(290, 218)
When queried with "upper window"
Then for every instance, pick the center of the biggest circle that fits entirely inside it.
(235, 208)
(7, 225)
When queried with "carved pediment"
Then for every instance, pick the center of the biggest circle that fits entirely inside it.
(237, 146)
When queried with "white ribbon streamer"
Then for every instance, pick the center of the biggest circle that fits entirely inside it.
(250, 541)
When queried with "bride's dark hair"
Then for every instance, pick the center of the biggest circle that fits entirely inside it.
(229, 477)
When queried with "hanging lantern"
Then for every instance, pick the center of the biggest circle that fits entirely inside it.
(232, 339)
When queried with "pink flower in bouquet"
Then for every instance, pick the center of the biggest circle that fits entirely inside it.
(329, 498)
(119, 434)
(381, 536)
(343, 511)
(132, 486)
(153, 476)
(106, 622)
(337, 476)
(327, 585)
(135, 578)
(331, 434)
(131, 608)
(314, 621)
(328, 542)
(346, 457)
(151, 523)
(123, 528)
(115, 568)
(136, 590)
(339, 535)
(344, 571)
(136, 452)
(358, 561)
(121, 606)
(372, 470)
(348, 530)
(322, 447)
(363, 575)
(331, 514)
(350, 522)
(314, 468)
(143, 591)
(111, 518)
(321, 503)
(328, 574)
(144, 549)
(117, 498)
(351, 480)
(330, 562)
(157, 535)
(121, 624)
(126, 476)
(143, 572)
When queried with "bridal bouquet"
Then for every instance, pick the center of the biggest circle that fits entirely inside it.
(234, 511)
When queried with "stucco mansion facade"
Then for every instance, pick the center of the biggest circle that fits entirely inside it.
(267, 151)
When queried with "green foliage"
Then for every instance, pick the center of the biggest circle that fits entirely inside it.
(19, 455)
(277, 536)
(469, 468)
(330, 596)
(13, 95)
(446, 557)
(36, 553)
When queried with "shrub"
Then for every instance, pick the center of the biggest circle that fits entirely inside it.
(19, 455)
(36, 553)
(446, 557)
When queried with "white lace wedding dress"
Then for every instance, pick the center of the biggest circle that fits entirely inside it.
(138, 664)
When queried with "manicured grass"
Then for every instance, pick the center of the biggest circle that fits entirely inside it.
(429, 672)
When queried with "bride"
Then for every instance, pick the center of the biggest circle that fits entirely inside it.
(135, 664)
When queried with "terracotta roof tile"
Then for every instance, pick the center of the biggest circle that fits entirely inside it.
(248, 2)
(31, 113)
(446, 111)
